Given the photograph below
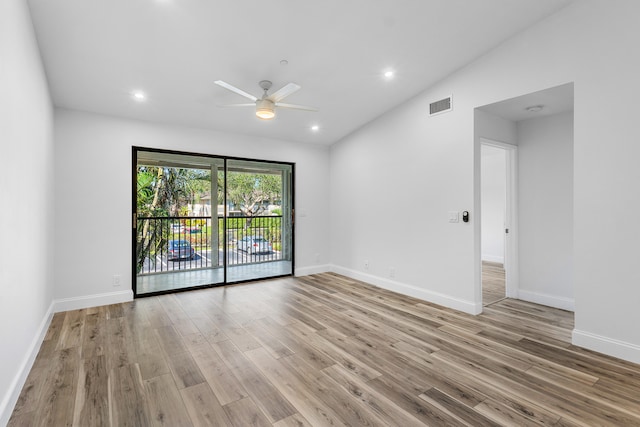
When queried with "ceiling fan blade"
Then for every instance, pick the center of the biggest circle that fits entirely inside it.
(295, 107)
(235, 89)
(252, 104)
(284, 92)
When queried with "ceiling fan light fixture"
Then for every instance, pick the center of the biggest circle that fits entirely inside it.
(266, 106)
(265, 109)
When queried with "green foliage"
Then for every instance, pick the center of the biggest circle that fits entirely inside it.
(145, 187)
(164, 191)
(145, 193)
(249, 192)
(168, 190)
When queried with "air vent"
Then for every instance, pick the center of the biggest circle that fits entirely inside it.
(441, 106)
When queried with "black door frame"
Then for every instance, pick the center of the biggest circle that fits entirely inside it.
(134, 208)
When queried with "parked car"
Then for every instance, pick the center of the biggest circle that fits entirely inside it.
(254, 245)
(179, 249)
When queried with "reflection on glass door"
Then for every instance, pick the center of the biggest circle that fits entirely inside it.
(177, 223)
(205, 220)
(259, 228)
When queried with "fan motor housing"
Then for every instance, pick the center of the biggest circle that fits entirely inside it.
(265, 109)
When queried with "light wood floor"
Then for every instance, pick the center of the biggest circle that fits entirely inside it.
(493, 282)
(320, 350)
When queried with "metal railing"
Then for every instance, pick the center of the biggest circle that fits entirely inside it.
(166, 244)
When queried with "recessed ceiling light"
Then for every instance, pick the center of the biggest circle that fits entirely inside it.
(284, 62)
(534, 108)
(389, 74)
(139, 95)
(315, 128)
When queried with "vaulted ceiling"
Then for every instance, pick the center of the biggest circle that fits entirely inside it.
(98, 53)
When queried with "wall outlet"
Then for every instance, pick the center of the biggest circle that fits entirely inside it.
(392, 272)
(366, 264)
(317, 257)
(116, 280)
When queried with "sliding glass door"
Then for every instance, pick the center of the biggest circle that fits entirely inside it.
(203, 220)
(259, 229)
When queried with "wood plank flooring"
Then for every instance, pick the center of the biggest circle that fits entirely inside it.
(493, 283)
(320, 350)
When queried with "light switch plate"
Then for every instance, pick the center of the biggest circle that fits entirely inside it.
(454, 216)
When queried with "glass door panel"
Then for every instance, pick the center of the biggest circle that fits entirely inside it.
(178, 229)
(259, 228)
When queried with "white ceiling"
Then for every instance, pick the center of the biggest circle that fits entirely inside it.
(96, 52)
(554, 100)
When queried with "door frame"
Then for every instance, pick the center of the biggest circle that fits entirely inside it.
(510, 218)
(134, 209)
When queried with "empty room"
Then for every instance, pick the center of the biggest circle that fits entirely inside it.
(302, 213)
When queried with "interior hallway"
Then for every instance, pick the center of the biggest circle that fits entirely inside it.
(493, 283)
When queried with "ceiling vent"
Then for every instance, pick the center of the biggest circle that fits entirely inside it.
(441, 106)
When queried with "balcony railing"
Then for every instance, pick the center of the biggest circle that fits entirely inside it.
(166, 244)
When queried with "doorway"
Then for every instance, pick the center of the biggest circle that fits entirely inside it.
(539, 265)
(203, 220)
(498, 213)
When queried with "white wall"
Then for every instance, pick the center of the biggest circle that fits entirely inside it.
(392, 186)
(545, 210)
(93, 197)
(26, 195)
(429, 166)
(494, 196)
(494, 128)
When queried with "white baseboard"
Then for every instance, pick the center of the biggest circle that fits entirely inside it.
(612, 347)
(13, 393)
(469, 307)
(77, 303)
(554, 301)
(314, 269)
(493, 258)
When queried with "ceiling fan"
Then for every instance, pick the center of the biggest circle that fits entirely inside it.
(266, 105)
